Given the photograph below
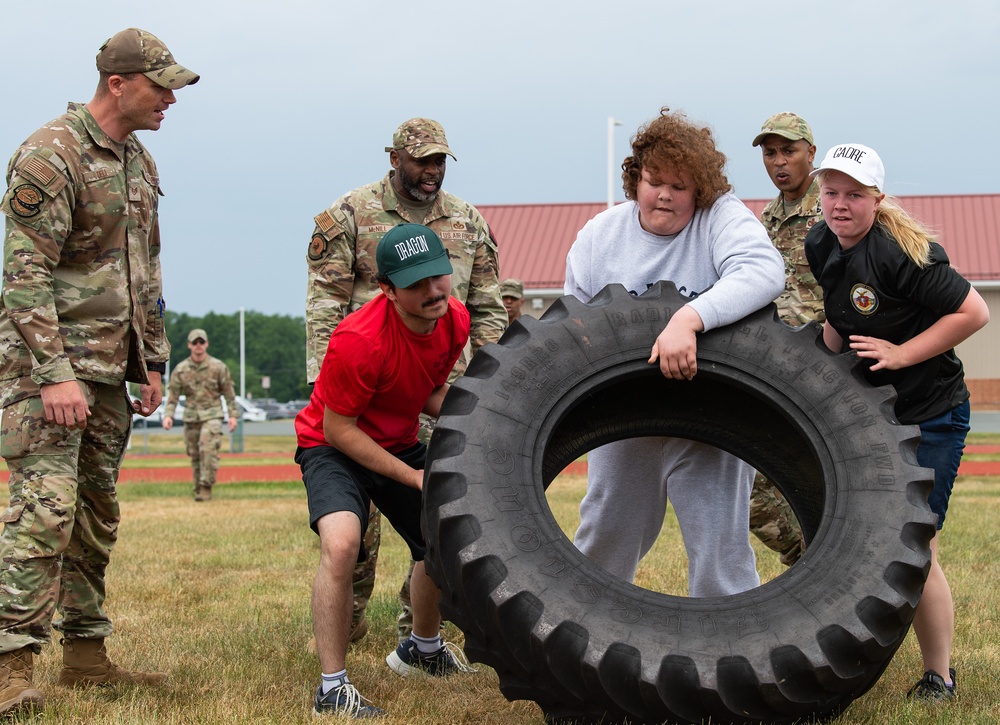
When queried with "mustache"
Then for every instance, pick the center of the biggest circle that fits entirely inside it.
(434, 301)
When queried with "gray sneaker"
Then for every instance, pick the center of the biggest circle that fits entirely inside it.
(344, 700)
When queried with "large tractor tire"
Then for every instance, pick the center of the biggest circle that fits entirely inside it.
(589, 647)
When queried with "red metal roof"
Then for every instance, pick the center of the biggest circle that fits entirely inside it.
(535, 238)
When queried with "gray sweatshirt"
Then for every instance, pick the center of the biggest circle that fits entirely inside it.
(724, 247)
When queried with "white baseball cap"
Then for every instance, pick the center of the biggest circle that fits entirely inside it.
(859, 162)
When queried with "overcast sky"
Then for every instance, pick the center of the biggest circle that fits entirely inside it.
(298, 99)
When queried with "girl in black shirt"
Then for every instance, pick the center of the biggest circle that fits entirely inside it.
(891, 296)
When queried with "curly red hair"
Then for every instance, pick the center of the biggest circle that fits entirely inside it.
(671, 142)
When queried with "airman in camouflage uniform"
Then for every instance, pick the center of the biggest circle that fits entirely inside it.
(788, 150)
(341, 261)
(204, 381)
(512, 294)
(81, 315)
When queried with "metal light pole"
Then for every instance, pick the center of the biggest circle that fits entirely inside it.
(611, 160)
(236, 437)
(243, 375)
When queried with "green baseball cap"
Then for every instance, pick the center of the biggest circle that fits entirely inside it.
(409, 253)
(138, 51)
(420, 137)
(785, 124)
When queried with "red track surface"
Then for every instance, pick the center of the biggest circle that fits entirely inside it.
(290, 471)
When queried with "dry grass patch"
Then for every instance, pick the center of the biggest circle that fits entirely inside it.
(218, 596)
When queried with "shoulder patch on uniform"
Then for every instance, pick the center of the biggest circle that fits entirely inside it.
(40, 170)
(37, 169)
(317, 247)
(324, 221)
(26, 200)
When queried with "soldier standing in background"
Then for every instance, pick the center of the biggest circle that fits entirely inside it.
(786, 143)
(512, 294)
(82, 314)
(341, 278)
(204, 381)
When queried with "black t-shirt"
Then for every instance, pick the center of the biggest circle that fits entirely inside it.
(874, 289)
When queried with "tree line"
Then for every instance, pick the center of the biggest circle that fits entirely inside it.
(274, 346)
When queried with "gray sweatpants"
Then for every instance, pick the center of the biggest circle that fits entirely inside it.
(629, 483)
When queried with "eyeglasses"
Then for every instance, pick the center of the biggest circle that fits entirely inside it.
(198, 341)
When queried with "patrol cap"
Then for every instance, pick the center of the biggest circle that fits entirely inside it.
(859, 162)
(196, 333)
(138, 51)
(408, 253)
(786, 124)
(512, 288)
(420, 137)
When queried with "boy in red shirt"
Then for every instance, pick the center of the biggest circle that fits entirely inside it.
(357, 442)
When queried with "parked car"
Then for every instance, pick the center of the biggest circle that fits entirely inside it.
(249, 410)
(153, 419)
(272, 408)
(294, 406)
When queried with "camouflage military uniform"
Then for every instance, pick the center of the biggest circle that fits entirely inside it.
(341, 259)
(204, 385)
(81, 301)
(802, 300)
(342, 267)
(771, 518)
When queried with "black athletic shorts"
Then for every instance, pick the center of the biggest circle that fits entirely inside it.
(334, 482)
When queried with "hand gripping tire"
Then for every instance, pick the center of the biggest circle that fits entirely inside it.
(589, 647)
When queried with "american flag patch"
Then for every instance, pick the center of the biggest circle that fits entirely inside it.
(41, 171)
(324, 221)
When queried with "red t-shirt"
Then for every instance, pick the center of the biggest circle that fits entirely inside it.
(378, 370)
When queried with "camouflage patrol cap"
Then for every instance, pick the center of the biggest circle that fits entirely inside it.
(512, 288)
(197, 333)
(421, 137)
(789, 125)
(137, 51)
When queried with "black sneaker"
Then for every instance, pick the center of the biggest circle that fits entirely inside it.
(344, 700)
(932, 687)
(407, 660)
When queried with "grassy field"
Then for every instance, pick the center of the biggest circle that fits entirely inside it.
(159, 444)
(217, 595)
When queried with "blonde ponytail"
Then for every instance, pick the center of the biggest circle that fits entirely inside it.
(911, 236)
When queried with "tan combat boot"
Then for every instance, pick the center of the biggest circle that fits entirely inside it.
(85, 663)
(203, 493)
(16, 692)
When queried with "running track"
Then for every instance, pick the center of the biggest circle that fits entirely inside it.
(243, 471)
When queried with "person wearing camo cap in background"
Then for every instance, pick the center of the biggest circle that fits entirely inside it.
(204, 381)
(82, 314)
(512, 294)
(786, 144)
(341, 278)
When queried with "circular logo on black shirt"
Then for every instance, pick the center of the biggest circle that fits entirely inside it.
(864, 299)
